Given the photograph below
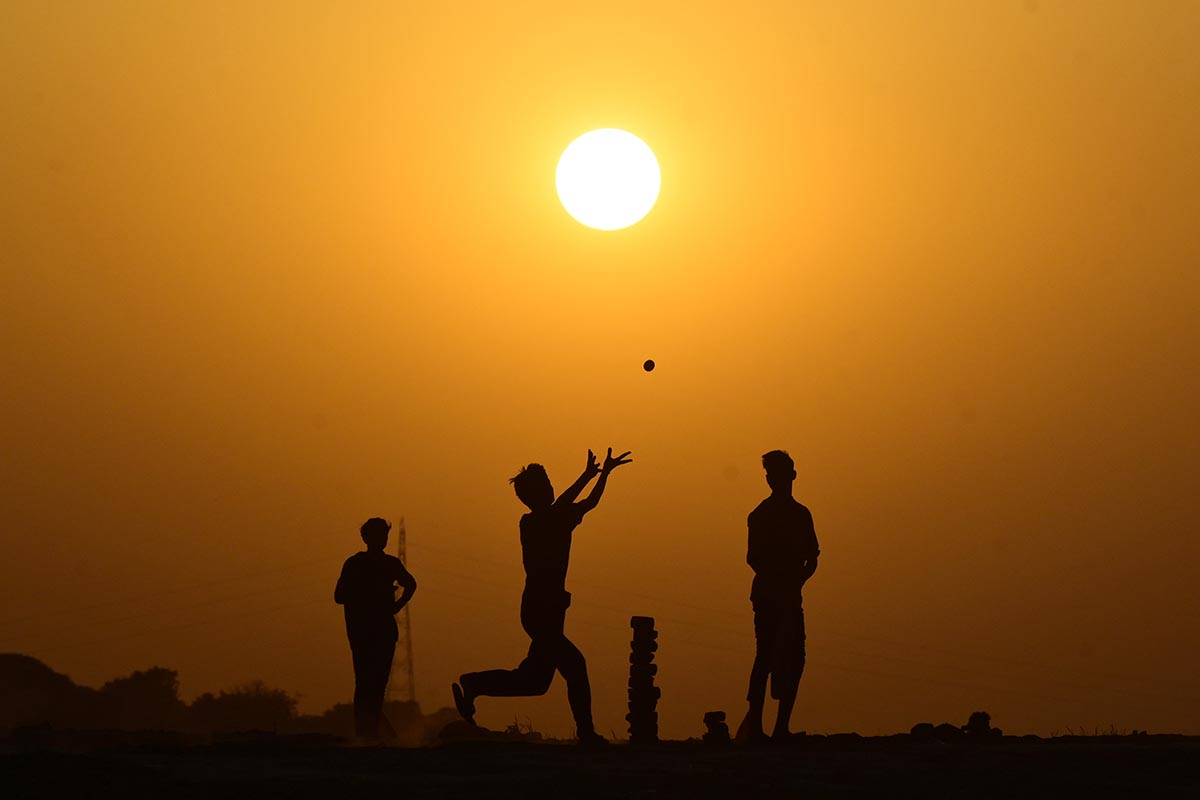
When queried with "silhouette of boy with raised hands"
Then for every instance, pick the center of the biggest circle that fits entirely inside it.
(367, 590)
(782, 550)
(545, 550)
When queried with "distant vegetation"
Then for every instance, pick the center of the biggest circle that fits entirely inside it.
(32, 694)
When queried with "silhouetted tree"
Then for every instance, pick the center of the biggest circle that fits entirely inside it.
(252, 706)
(143, 700)
(33, 694)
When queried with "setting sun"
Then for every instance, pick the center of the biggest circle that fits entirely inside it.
(608, 179)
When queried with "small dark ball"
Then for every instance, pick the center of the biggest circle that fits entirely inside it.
(649, 365)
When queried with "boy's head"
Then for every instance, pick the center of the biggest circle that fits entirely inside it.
(533, 487)
(781, 471)
(375, 533)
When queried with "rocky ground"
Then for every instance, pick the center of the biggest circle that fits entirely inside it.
(846, 765)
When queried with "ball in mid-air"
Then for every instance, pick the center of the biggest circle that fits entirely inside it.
(649, 365)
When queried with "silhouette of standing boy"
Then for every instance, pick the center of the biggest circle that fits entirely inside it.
(783, 552)
(545, 550)
(367, 590)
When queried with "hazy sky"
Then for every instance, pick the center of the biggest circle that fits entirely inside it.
(267, 269)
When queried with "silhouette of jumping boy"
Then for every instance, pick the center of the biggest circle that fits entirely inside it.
(783, 552)
(367, 590)
(545, 551)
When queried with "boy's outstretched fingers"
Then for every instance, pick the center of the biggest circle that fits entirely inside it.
(611, 463)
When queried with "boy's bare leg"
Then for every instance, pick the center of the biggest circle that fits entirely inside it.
(751, 728)
(464, 704)
(786, 702)
(531, 678)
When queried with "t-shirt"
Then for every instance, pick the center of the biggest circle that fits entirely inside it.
(366, 588)
(546, 547)
(782, 542)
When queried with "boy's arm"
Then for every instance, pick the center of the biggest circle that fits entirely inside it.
(810, 564)
(572, 491)
(754, 546)
(342, 589)
(593, 499)
(408, 583)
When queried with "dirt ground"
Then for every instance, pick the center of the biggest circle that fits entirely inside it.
(834, 766)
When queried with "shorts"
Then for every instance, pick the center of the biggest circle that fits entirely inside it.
(780, 638)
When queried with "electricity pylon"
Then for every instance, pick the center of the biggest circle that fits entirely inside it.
(402, 661)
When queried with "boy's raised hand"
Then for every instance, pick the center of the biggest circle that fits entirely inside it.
(593, 467)
(611, 463)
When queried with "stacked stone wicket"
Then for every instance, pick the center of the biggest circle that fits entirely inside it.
(643, 694)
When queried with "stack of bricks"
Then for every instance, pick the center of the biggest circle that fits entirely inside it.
(643, 694)
(718, 731)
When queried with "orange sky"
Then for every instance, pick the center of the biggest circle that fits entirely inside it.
(267, 269)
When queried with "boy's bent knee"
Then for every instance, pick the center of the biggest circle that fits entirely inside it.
(572, 660)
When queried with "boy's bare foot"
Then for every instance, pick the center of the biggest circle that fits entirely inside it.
(749, 732)
(466, 708)
(592, 739)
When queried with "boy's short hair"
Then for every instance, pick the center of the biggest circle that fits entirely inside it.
(526, 481)
(778, 461)
(376, 525)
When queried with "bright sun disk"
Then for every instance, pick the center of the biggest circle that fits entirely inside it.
(608, 179)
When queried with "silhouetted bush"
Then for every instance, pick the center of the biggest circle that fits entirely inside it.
(33, 694)
(143, 700)
(252, 706)
(46, 706)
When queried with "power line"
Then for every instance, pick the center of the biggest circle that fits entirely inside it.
(175, 589)
(961, 654)
(1046, 673)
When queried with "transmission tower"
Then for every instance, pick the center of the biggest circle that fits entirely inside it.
(402, 661)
